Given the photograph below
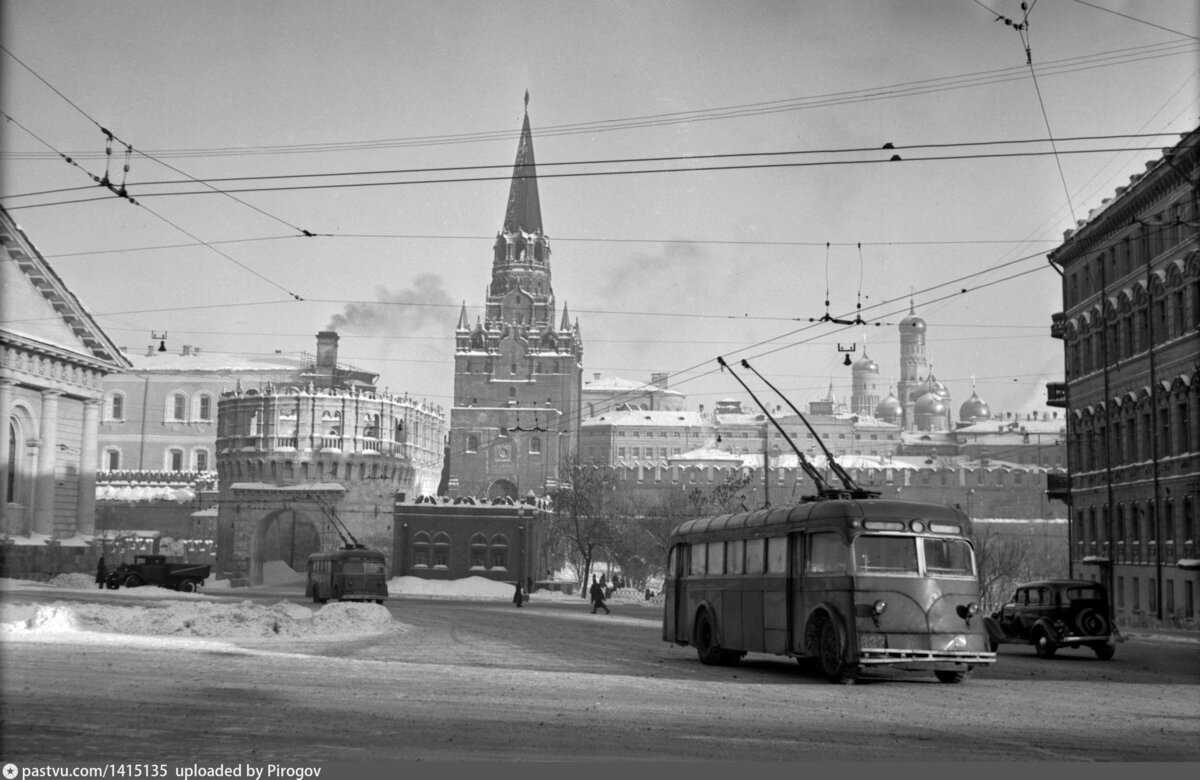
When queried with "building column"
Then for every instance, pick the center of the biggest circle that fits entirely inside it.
(6, 397)
(43, 502)
(89, 459)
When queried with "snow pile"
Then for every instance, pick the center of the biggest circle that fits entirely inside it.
(199, 618)
(74, 581)
(469, 587)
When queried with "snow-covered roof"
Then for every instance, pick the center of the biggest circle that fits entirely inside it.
(655, 418)
(213, 362)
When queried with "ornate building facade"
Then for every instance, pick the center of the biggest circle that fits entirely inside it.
(1130, 328)
(518, 369)
(53, 358)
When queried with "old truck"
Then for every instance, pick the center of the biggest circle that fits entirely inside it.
(154, 570)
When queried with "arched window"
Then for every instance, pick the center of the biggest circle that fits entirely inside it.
(441, 551)
(174, 459)
(472, 444)
(115, 408)
(204, 408)
(535, 445)
(112, 459)
(177, 408)
(422, 550)
(200, 460)
(498, 552)
(479, 551)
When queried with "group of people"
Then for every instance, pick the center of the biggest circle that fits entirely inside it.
(597, 593)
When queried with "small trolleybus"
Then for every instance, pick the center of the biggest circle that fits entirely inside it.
(850, 583)
(347, 574)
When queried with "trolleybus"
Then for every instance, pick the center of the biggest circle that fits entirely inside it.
(843, 577)
(851, 583)
(347, 574)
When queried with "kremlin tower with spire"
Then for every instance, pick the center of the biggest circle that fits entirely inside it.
(518, 368)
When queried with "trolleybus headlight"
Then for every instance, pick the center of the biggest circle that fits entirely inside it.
(968, 611)
(917, 526)
(877, 609)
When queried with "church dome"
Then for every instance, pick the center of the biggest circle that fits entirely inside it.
(974, 409)
(930, 404)
(864, 365)
(889, 408)
(912, 324)
(934, 387)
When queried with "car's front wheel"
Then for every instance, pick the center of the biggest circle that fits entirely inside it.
(1104, 652)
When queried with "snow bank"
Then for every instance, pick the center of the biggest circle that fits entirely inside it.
(194, 618)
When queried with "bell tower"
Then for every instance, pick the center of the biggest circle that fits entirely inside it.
(518, 376)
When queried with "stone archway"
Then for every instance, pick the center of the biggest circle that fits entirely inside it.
(502, 488)
(287, 535)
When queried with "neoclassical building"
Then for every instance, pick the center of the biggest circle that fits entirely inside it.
(518, 369)
(1130, 328)
(53, 358)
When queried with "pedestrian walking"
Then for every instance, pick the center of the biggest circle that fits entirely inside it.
(597, 594)
(101, 573)
(519, 596)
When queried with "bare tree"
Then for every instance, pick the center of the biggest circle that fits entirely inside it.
(584, 506)
(1023, 553)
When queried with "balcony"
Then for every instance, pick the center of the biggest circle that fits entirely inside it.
(1056, 394)
(1058, 486)
(1058, 324)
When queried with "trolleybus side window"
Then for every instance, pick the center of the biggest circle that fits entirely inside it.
(777, 555)
(716, 557)
(826, 554)
(755, 555)
(697, 555)
(733, 556)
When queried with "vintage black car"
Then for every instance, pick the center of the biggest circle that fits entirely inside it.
(1053, 614)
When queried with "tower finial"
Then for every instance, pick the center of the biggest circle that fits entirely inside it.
(527, 101)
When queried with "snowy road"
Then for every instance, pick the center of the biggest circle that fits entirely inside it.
(481, 680)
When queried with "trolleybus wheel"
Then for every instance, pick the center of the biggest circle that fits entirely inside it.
(707, 649)
(1044, 644)
(951, 676)
(830, 647)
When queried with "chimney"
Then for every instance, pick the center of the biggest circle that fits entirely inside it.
(659, 379)
(327, 346)
(596, 376)
(150, 350)
(187, 350)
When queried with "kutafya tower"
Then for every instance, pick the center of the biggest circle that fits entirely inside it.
(518, 376)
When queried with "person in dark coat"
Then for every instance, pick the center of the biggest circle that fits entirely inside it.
(597, 594)
(101, 573)
(519, 596)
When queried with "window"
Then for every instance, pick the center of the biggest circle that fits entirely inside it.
(116, 406)
(472, 444)
(178, 407)
(777, 555)
(948, 556)
(112, 460)
(421, 551)
(204, 408)
(201, 460)
(479, 549)
(535, 445)
(175, 460)
(891, 554)
(441, 551)
(498, 552)
(755, 555)
(716, 557)
(733, 556)
(697, 558)
(827, 554)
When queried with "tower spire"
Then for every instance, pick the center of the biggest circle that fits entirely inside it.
(524, 211)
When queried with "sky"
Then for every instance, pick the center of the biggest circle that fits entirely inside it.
(710, 174)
